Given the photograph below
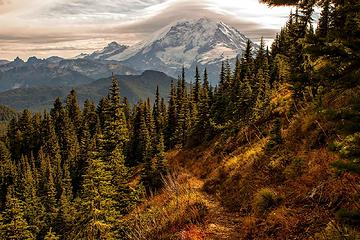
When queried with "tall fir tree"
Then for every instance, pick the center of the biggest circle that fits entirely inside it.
(74, 112)
(97, 208)
(14, 224)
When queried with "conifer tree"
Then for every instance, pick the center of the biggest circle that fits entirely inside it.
(13, 134)
(171, 119)
(115, 127)
(182, 113)
(197, 86)
(47, 188)
(25, 129)
(36, 122)
(150, 124)
(103, 112)
(33, 209)
(247, 61)
(134, 154)
(56, 115)
(7, 173)
(261, 108)
(324, 20)
(74, 112)
(97, 208)
(90, 118)
(66, 211)
(86, 147)
(161, 167)
(159, 111)
(127, 111)
(50, 147)
(146, 153)
(14, 225)
(69, 145)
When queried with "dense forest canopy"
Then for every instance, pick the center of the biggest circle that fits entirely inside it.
(75, 173)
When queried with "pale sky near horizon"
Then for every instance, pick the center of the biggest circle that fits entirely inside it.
(67, 28)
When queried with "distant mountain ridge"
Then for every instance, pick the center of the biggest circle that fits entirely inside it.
(2, 62)
(110, 50)
(56, 71)
(134, 87)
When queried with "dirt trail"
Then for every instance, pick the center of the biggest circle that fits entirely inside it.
(219, 223)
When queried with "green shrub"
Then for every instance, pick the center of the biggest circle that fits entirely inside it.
(265, 199)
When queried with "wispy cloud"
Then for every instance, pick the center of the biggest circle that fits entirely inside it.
(55, 25)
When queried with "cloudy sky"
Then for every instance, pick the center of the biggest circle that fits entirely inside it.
(68, 27)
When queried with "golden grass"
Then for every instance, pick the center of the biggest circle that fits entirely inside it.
(165, 216)
(238, 170)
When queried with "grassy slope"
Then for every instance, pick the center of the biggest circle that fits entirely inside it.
(236, 188)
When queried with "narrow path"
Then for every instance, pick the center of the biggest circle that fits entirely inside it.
(219, 223)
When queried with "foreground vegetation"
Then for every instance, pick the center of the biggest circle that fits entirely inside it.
(271, 152)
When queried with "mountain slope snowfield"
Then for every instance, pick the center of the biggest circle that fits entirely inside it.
(188, 43)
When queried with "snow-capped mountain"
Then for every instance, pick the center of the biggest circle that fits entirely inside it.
(110, 50)
(202, 42)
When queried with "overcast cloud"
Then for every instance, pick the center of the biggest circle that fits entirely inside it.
(70, 27)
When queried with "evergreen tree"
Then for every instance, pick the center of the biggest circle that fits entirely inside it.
(13, 134)
(47, 188)
(90, 118)
(74, 112)
(161, 167)
(103, 112)
(171, 119)
(115, 127)
(324, 20)
(14, 225)
(127, 112)
(97, 208)
(25, 131)
(261, 108)
(50, 147)
(197, 87)
(56, 115)
(134, 154)
(86, 147)
(33, 209)
(36, 122)
(157, 113)
(7, 173)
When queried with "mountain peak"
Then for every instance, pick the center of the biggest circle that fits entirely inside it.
(33, 60)
(18, 60)
(114, 44)
(190, 42)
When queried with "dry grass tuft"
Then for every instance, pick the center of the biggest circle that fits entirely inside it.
(166, 215)
(265, 199)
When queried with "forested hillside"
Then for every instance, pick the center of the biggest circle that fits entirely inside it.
(272, 152)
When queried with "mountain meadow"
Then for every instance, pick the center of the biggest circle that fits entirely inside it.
(272, 151)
